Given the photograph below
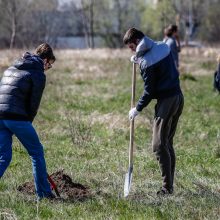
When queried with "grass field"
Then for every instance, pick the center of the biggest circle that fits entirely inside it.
(83, 124)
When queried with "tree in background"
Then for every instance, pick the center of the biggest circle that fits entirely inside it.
(46, 23)
(191, 13)
(83, 19)
(158, 16)
(11, 15)
(24, 23)
(210, 28)
(117, 17)
(191, 16)
(107, 19)
(86, 12)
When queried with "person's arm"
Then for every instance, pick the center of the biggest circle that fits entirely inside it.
(178, 43)
(38, 85)
(149, 88)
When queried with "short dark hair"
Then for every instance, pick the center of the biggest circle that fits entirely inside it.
(173, 28)
(44, 51)
(131, 35)
(168, 32)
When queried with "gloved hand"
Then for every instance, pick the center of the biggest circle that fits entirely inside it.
(133, 113)
(134, 59)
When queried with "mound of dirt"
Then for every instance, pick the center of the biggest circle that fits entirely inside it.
(65, 186)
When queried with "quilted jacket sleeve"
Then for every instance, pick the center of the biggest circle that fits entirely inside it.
(38, 85)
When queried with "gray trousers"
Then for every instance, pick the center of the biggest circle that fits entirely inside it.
(167, 113)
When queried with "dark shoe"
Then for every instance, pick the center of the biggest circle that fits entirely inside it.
(53, 198)
(49, 197)
(163, 192)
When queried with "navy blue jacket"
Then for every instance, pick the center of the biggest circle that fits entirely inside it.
(21, 88)
(217, 79)
(159, 73)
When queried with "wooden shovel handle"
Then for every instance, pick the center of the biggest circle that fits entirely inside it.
(133, 85)
(131, 144)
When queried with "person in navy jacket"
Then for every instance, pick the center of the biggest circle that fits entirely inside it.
(161, 82)
(21, 89)
(216, 82)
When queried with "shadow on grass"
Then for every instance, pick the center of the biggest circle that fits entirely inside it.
(146, 199)
(205, 191)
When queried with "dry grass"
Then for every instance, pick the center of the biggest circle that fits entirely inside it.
(208, 52)
(8, 56)
(192, 59)
(90, 64)
(115, 121)
(7, 214)
(100, 54)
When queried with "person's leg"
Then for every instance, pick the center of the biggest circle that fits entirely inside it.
(173, 161)
(164, 112)
(161, 151)
(27, 135)
(172, 131)
(5, 147)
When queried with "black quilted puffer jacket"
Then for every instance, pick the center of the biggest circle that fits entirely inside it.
(21, 89)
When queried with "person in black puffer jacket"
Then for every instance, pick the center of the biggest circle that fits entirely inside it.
(21, 89)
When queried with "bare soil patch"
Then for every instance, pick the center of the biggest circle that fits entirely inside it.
(65, 186)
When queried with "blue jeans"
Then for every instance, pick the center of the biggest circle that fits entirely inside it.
(27, 135)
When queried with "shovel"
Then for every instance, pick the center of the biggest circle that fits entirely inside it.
(53, 185)
(128, 176)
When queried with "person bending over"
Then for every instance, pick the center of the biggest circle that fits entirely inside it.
(21, 89)
(161, 82)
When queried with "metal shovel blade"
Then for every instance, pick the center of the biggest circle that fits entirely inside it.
(128, 179)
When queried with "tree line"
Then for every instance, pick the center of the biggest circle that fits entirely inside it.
(25, 23)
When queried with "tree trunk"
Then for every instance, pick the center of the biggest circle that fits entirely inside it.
(91, 18)
(13, 34)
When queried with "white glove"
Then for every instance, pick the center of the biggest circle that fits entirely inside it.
(134, 59)
(133, 113)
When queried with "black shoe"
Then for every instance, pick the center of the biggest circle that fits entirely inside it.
(53, 198)
(164, 191)
(49, 197)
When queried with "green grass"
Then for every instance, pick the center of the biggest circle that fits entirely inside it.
(93, 104)
(209, 65)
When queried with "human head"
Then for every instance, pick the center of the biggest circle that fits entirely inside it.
(172, 29)
(132, 37)
(45, 52)
(168, 32)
